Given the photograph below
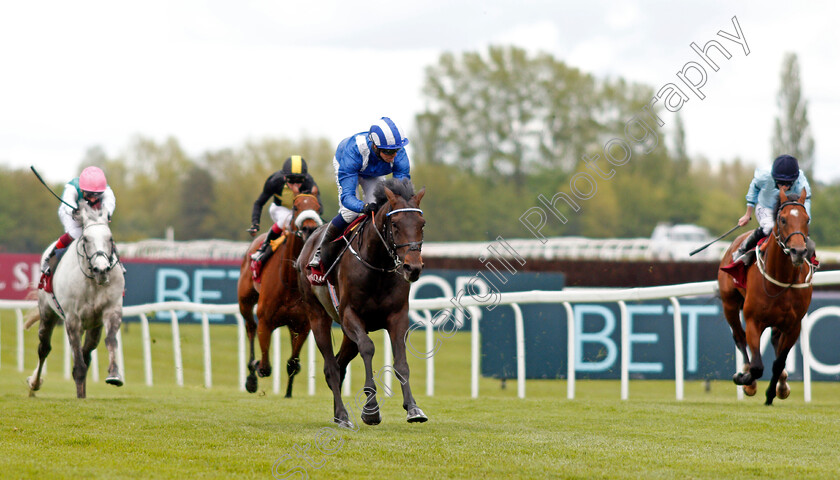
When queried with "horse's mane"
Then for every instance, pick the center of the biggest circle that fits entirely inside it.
(400, 187)
(792, 197)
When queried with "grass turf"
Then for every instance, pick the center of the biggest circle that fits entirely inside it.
(166, 431)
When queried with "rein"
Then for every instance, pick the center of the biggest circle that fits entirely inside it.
(783, 245)
(391, 247)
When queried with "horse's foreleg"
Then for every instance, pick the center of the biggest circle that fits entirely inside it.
(44, 347)
(414, 414)
(246, 308)
(354, 329)
(321, 324)
(346, 354)
(293, 365)
(113, 321)
(92, 338)
(264, 334)
(784, 345)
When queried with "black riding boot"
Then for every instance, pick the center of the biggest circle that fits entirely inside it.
(748, 245)
(262, 254)
(324, 255)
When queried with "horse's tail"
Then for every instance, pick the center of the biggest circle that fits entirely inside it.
(34, 314)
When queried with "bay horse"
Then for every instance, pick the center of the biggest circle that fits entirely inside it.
(777, 295)
(88, 286)
(277, 295)
(372, 279)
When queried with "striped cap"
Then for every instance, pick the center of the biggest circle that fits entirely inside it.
(385, 134)
(294, 165)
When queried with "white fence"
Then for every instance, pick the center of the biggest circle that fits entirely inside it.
(514, 299)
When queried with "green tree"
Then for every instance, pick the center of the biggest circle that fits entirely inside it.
(792, 133)
(196, 219)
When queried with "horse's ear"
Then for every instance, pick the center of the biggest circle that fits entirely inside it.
(419, 196)
(782, 195)
(392, 199)
(315, 190)
(802, 196)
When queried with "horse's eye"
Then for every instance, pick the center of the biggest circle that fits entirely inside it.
(784, 221)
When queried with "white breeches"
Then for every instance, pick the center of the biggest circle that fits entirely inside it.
(281, 215)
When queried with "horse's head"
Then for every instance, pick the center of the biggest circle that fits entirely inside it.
(96, 245)
(404, 223)
(305, 218)
(791, 229)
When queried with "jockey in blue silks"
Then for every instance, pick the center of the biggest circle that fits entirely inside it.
(763, 196)
(362, 159)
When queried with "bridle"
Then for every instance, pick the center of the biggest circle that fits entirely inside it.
(777, 230)
(81, 251)
(390, 244)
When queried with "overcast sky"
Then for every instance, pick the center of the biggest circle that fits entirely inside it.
(76, 74)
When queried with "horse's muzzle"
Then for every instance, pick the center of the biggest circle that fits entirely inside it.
(411, 270)
(797, 255)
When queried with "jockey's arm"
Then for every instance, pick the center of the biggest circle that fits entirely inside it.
(267, 192)
(109, 201)
(747, 216)
(70, 196)
(402, 167)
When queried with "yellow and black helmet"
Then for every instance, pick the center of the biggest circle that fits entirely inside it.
(294, 168)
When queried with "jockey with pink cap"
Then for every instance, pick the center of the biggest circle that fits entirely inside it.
(92, 187)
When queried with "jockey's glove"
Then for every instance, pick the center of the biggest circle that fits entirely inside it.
(369, 208)
(254, 229)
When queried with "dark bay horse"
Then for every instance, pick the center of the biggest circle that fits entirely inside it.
(372, 284)
(277, 295)
(777, 295)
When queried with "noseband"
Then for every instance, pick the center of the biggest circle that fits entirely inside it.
(777, 231)
(299, 216)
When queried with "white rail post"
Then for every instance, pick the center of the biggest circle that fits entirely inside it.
(147, 349)
(278, 372)
(310, 360)
(625, 350)
(805, 345)
(475, 356)
(176, 349)
(205, 340)
(240, 335)
(430, 361)
(678, 349)
(68, 362)
(388, 359)
(570, 348)
(120, 355)
(20, 340)
(520, 350)
(345, 386)
(94, 365)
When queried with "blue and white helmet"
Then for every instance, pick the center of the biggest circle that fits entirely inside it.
(385, 134)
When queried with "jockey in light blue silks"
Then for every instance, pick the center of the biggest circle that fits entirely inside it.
(763, 196)
(362, 159)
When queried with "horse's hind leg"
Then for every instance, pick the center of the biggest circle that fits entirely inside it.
(293, 365)
(413, 412)
(346, 354)
(45, 331)
(112, 326)
(782, 389)
(246, 308)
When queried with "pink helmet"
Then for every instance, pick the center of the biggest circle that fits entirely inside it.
(92, 179)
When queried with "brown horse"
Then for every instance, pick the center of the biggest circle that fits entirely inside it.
(371, 280)
(777, 295)
(277, 295)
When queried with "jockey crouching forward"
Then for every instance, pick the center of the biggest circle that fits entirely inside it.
(295, 176)
(91, 187)
(763, 196)
(362, 159)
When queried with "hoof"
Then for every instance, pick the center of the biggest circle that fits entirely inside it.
(264, 372)
(783, 388)
(251, 383)
(374, 419)
(34, 387)
(115, 380)
(415, 415)
(749, 390)
(344, 424)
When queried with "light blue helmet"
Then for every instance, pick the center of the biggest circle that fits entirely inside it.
(385, 134)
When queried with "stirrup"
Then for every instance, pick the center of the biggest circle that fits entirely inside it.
(316, 260)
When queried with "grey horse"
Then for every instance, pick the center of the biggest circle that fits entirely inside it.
(88, 286)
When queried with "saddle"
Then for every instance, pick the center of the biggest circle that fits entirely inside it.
(738, 270)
